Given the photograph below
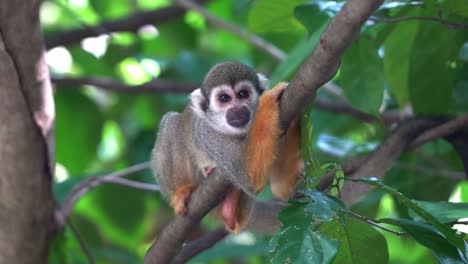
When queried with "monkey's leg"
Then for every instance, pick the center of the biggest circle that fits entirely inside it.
(181, 198)
(264, 136)
(235, 209)
(289, 165)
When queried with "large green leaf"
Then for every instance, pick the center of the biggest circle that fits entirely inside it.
(230, 249)
(78, 130)
(299, 240)
(274, 16)
(360, 242)
(445, 212)
(431, 75)
(362, 75)
(428, 236)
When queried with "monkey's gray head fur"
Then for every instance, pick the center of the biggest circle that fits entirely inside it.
(229, 72)
(228, 97)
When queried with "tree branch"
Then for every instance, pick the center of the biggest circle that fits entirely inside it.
(131, 24)
(81, 241)
(314, 72)
(203, 199)
(322, 65)
(92, 182)
(26, 137)
(199, 245)
(154, 86)
(253, 39)
(443, 130)
(169, 86)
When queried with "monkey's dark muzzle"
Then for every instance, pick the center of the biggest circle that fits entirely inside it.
(238, 116)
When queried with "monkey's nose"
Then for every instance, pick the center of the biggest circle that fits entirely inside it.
(238, 116)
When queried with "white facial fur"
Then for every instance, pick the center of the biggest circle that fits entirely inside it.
(216, 113)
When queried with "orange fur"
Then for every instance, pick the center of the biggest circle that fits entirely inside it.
(263, 141)
(289, 164)
(180, 198)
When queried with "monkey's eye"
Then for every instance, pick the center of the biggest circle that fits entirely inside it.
(243, 94)
(224, 98)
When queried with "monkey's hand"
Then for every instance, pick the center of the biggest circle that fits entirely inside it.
(264, 136)
(181, 198)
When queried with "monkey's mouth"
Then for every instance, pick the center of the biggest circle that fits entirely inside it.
(241, 122)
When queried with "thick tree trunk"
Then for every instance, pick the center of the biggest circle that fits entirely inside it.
(26, 130)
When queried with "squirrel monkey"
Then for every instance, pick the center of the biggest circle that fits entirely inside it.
(230, 124)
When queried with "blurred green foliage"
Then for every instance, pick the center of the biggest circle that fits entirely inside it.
(391, 66)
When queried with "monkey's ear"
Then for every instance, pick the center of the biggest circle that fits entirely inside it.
(198, 102)
(264, 82)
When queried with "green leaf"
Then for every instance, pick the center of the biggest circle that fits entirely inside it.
(299, 53)
(114, 9)
(463, 55)
(274, 16)
(362, 75)
(428, 236)
(311, 16)
(398, 48)
(431, 76)
(458, 7)
(89, 64)
(450, 234)
(299, 240)
(78, 129)
(229, 249)
(360, 242)
(445, 212)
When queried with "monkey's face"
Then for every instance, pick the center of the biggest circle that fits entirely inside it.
(228, 108)
(231, 108)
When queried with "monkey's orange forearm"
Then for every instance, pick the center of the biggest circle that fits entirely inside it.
(288, 167)
(264, 135)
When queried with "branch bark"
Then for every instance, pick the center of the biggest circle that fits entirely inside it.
(131, 24)
(26, 137)
(314, 72)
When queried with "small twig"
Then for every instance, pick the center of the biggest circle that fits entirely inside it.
(199, 245)
(255, 40)
(81, 241)
(451, 25)
(443, 130)
(457, 175)
(134, 184)
(92, 182)
(374, 223)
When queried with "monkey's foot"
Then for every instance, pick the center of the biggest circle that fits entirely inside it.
(181, 198)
